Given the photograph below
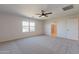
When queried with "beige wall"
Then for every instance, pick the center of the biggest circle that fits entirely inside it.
(67, 27)
(11, 27)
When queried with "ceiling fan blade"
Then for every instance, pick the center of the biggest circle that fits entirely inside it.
(42, 11)
(49, 13)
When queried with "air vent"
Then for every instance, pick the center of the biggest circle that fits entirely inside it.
(67, 7)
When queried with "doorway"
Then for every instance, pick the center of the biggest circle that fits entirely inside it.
(54, 30)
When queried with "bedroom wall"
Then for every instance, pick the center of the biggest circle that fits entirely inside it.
(67, 27)
(11, 27)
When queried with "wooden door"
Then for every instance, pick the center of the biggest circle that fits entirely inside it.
(53, 30)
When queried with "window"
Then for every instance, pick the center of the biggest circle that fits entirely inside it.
(28, 26)
(32, 26)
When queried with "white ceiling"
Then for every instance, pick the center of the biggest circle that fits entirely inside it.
(30, 10)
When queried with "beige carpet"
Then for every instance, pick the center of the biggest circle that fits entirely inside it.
(40, 45)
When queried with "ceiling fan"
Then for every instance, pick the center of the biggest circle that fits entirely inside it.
(44, 14)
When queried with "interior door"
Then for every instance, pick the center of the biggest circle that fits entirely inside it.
(53, 30)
